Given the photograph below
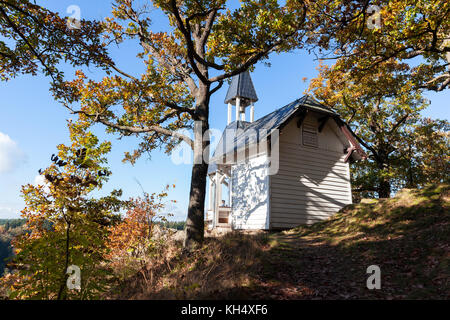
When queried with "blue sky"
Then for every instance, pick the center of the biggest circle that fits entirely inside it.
(32, 123)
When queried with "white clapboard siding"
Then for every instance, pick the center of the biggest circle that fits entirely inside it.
(335, 165)
(286, 192)
(309, 180)
(314, 205)
(312, 183)
(317, 215)
(307, 192)
(321, 153)
(293, 216)
(292, 155)
(315, 176)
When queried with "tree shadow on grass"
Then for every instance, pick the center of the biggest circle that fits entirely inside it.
(409, 242)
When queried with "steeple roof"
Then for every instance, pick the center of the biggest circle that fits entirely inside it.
(241, 86)
(237, 134)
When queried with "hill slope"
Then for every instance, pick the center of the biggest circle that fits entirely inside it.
(407, 237)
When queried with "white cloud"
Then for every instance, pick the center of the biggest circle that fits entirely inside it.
(40, 180)
(10, 154)
(9, 211)
(176, 213)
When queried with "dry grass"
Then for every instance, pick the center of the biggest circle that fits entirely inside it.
(408, 237)
(221, 268)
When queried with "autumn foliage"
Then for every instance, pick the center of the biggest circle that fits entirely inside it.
(384, 109)
(65, 225)
(131, 242)
(41, 40)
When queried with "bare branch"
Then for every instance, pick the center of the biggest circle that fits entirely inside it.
(432, 86)
(175, 66)
(112, 65)
(208, 26)
(185, 30)
(135, 130)
(219, 85)
(399, 122)
(247, 64)
(256, 57)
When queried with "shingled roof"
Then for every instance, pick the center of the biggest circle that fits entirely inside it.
(232, 141)
(241, 86)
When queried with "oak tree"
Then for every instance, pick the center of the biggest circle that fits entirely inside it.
(207, 43)
(383, 109)
(34, 39)
(365, 34)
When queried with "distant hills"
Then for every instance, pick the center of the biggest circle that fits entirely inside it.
(9, 228)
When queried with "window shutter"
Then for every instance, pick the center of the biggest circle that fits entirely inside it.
(309, 135)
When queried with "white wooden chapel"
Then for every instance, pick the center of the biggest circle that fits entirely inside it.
(313, 179)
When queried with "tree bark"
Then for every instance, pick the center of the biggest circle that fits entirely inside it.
(384, 185)
(384, 189)
(195, 222)
(383, 164)
(66, 265)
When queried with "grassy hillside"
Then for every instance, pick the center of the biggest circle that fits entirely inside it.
(407, 237)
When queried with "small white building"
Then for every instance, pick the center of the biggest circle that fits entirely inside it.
(302, 176)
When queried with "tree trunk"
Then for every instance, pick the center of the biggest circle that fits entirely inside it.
(384, 189)
(383, 163)
(195, 223)
(63, 287)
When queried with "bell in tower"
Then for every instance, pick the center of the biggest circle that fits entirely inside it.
(241, 94)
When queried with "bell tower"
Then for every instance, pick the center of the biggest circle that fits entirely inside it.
(241, 94)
